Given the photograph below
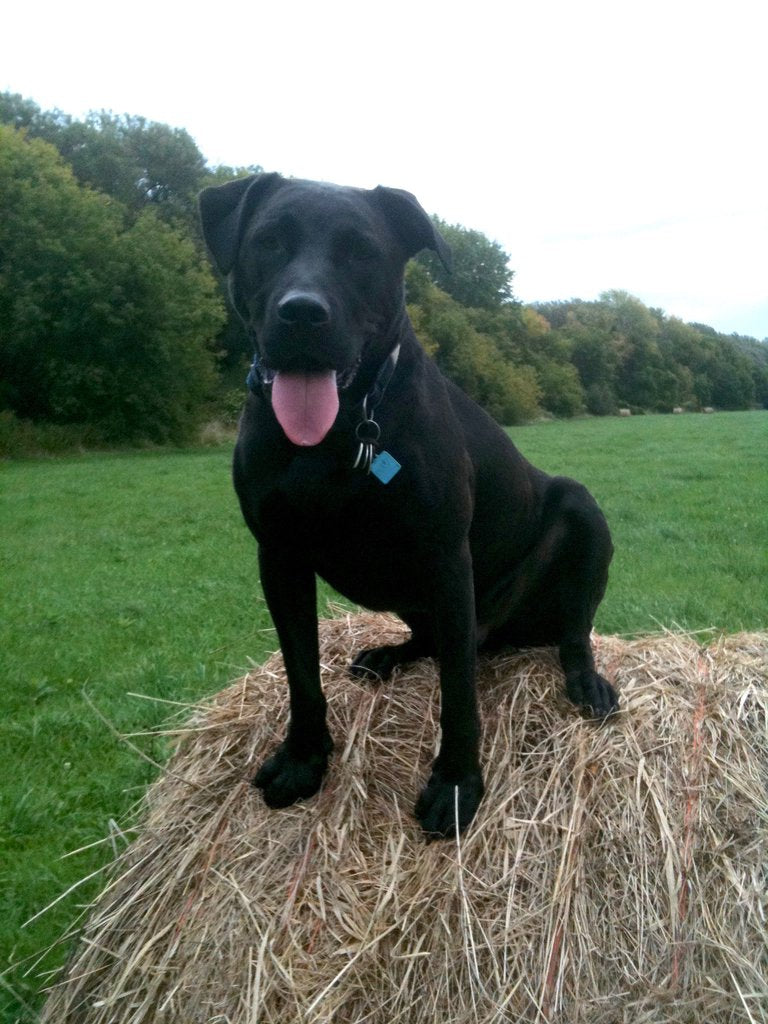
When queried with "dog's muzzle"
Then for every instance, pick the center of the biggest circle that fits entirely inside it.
(304, 401)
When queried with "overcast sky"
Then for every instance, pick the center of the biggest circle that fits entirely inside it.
(602, 144)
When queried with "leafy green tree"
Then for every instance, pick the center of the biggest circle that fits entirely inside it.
(595, 358)
(469, 358)
(18, 112)
(630, 318)
(635, 331)
(479, 276)
(627, 354)
(585, 328)
(103, 320)
(561, 390)
(138, 162)
(222, 173)
(600, 399)
(511, 333)
(557, 313)
(731, 376)
(563, 356)
(756, 353)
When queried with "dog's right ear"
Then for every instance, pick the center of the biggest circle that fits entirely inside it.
(224, 212)
(411, 223)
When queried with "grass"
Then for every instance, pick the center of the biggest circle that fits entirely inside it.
(686, 498)
(133, 574)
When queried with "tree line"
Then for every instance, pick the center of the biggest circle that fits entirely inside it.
(113, 325)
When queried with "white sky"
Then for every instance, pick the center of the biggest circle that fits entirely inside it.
(603, 144)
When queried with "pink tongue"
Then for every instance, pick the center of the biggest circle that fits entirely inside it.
(306, 405)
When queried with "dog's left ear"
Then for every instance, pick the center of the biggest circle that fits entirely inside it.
(411, 223)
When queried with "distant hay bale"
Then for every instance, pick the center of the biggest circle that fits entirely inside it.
(614, 874)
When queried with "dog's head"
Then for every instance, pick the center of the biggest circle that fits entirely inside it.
(315, 272)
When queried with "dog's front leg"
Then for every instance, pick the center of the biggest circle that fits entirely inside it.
(455, 787)
(296, 768)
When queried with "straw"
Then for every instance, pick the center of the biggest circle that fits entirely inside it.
(613, 874)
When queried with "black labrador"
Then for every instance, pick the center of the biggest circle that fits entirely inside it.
(359, 462)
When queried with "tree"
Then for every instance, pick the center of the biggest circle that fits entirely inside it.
(103, 320)
(585, 329)
(479, 276)
(71, 260)
(627, 354)
(19, 112)
(222, 173)
(469, 358)
(561, 390)
(135, 161)
(138, 162)
(635, 332)
(756, 353)
(730, 372)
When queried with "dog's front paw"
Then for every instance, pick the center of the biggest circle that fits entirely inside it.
(592, 693)
(286, 777)
(444, 804)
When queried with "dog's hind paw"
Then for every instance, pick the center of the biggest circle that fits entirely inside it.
(377, 663)
(443, 806)
(285, 778)
(591, 692)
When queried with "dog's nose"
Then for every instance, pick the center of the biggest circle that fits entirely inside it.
(305, 308)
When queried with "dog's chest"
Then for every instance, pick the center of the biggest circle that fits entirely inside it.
(327, 512)
(356, 532)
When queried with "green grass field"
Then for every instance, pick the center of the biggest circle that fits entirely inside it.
(133, 574)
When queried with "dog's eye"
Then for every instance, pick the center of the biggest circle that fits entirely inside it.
(270, 243)
(356, 250)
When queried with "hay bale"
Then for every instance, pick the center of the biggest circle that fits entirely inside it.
(613, 874)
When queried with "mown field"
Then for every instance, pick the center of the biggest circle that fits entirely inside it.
(129, 581)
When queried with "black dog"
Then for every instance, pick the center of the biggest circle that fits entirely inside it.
(359, 462)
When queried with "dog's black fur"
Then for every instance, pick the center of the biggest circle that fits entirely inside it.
(469, 544)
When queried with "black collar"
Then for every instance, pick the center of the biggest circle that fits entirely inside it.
(383, 377)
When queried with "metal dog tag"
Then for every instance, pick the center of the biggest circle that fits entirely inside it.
(384, 467)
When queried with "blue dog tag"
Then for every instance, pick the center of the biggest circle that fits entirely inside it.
(384, 467)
